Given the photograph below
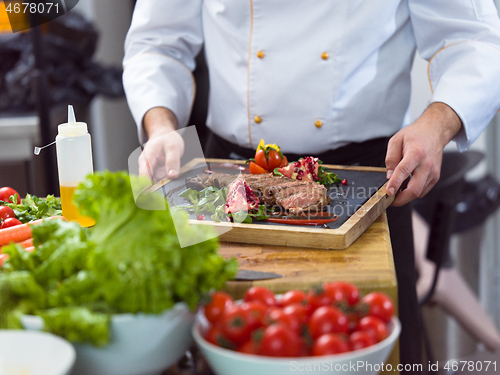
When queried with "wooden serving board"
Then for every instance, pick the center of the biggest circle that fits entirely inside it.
(340, 235)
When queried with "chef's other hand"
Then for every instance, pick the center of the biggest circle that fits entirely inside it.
(161, 156)
(418, 150)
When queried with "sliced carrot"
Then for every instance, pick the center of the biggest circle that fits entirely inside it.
(30, 249)
(21, 232)
(27, 243)
(16, 233)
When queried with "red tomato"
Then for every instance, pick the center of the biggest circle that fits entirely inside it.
(215, 336)
(10, 222)
(260, 159)
(260, 294)
(327, 319)
(215, 308)
(255, 169)
(293, 296)
(374, 326)
(7, 192)
(360, 339)
(279, 340)
(249, 347)
(377, 304)
(6, 212)
(255, 312)
(273, 159)
(317, 298)
(284, 161)
(277, 315)
(297, 310)
(352, 319)
(305, 349)
(342, 291)
(235, 325)
(330, 343)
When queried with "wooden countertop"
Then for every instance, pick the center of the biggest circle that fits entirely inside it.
(367, 263)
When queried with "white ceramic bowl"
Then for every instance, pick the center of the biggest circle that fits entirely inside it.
(141, 344)
(34, 353)
(366, 361)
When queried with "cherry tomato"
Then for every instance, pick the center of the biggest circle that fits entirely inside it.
(6, 212)
(360, 339)
(305, 349)
(284, 161)
(215, 336)
(273, 159)
(256, 169)
(260, 159)
(7, 192)
(373, 326)
(10, 222)
(330, 343)
(293, 296)
(280, 341)
(317, 298)
(249, 347)
(377, 304)
(277, 315)
(297, 310)
(215, 308)
(327, 319)
(235, 324)
(353, 318)
(342, 291)
(255, 313)
(260, 294)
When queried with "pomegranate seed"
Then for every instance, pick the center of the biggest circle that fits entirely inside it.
(200, 217)
(344, 181)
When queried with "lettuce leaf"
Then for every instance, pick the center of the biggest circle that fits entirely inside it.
(129, 262)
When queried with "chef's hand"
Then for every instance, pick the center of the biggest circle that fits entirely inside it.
(162, 153)
(418, 150)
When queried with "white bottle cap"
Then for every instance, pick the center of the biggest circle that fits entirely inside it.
(72, 128)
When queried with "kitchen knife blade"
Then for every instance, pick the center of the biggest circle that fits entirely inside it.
(249, 275)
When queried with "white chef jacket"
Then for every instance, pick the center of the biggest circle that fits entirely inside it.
(313, 75)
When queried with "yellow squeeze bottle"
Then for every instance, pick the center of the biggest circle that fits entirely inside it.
(74, 163)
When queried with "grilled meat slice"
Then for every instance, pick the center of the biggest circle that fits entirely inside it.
(221, 180)
(199, 182)
(270, 187)
(310, 198)
(265, 188)
(217, 179)
(293, 195)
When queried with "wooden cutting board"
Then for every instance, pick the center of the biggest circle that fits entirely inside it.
(357, 205)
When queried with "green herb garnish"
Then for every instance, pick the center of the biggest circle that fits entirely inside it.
(32, 207)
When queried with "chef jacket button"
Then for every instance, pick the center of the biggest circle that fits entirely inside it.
(260, 54)
(324, 55)
(257, 119)
(318, 124)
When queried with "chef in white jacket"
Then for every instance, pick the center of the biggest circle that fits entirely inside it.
(322, 77)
